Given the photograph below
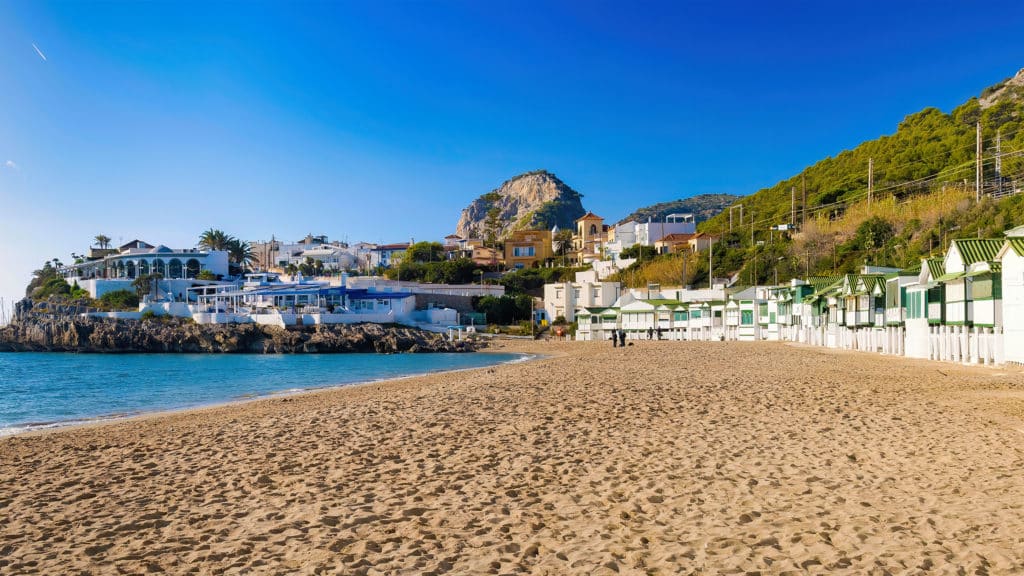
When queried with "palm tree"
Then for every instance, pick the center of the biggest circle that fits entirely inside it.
(102, 241)
(214, 239)
(240, 252)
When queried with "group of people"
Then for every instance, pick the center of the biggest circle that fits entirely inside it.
(619, 336)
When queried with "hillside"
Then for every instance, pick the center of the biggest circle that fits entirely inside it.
(703, 207)
(923, 195)
(534, 200)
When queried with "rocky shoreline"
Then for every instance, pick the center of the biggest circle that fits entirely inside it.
(35, 332)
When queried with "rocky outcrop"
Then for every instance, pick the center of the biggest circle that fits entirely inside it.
(39, 333)
(703, 207)
(1011, 89)
(532, 201)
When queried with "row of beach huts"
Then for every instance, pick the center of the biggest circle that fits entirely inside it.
(967, 306)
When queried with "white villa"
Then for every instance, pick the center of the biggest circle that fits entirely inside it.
(116, 271)
(566, 298)
(647, 233)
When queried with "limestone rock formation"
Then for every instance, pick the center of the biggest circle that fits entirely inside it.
(43, 332)
(532, 201)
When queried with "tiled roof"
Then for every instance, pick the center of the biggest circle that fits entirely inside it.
(977, 249)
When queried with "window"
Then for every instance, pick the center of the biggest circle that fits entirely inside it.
(747, 317)
(981, 288)
(593, 229)
(523, 251)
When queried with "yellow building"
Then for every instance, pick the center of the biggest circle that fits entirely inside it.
(526, 248)
(591, 234)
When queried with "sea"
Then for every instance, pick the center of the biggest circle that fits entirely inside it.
(48, 389)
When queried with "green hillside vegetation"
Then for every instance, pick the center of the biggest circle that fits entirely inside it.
(703, 207)
(923, 197)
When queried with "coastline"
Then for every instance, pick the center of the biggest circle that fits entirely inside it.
(33, 428)
(661, 457)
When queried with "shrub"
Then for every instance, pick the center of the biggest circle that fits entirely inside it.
(120, 300)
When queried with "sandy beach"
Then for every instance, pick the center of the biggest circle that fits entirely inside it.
(660, 458)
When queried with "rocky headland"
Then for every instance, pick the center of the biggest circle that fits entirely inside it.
(34, 331)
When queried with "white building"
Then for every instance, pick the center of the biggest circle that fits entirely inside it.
(334, 258)
(1011, 256)
(387, 255)
(178, 268)
(631, 233)
(567, 298)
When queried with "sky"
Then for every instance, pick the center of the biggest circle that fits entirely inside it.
(380, 121)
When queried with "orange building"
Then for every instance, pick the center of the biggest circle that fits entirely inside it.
(526, 248)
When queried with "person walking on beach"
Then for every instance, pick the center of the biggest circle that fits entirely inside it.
(615, 339)
(650, 333)
(622, 338)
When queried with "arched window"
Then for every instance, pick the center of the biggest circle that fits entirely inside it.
(129, 269)
(192, 268)
(159, 268)
(593, 228)
(143, 267)
(120, 269)
(174, 268)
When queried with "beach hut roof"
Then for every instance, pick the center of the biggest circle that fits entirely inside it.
(1016, 244)
(977, 249)
(749, 293)
(662, 302)
(936, 267)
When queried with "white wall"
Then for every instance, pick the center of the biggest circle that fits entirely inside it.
(1013, 306)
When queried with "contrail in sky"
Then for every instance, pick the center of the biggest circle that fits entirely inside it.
(40, 52)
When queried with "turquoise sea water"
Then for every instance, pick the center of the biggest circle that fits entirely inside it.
(53, 389)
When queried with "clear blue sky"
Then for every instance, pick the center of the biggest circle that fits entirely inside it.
(379, 121)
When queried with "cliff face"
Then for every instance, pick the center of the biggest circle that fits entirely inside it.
(532, 201)
(57, 333)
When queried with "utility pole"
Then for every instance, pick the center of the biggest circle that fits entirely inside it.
(685, 254)
(792, 205)
(803, 202)
(711, 251)
(871, 180)
(740, 206)
(999, 160)
(977, 165)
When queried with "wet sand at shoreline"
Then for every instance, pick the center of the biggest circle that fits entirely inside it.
(660, 458)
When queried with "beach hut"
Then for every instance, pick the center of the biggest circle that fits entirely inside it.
(895, 309)
(740, 315)
(925, 310)
(965, 262)
(1011, 258)
(597, 323)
